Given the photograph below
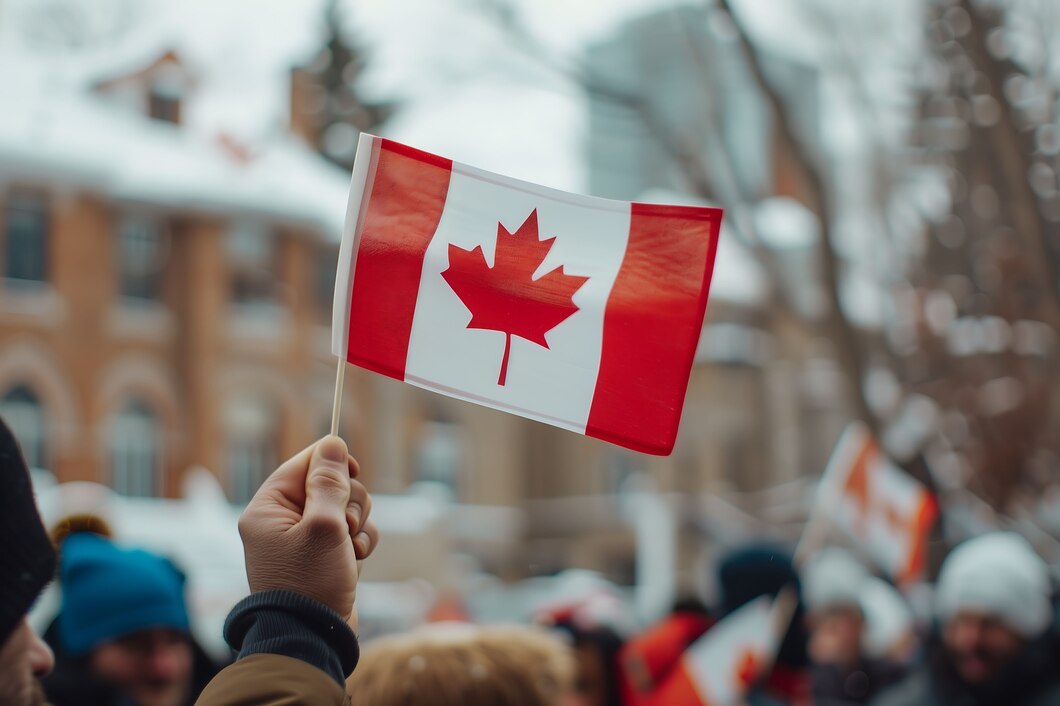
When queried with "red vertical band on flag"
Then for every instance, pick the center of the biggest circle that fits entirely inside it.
(857, 486)
(919, 530)
(407, 197)
(652, 325)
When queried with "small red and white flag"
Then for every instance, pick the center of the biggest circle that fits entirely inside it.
(720, 668)
(579, 312)
(881, 508)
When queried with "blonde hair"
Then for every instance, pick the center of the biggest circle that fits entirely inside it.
(464, 665)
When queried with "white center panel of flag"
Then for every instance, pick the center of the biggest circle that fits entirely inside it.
(554, 384)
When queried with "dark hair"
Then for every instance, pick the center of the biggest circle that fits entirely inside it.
(605, 642)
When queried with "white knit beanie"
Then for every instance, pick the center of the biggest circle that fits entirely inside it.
(1001, 575)
(888, 617)
(833, 578)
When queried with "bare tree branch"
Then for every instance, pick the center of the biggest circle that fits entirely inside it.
(1012, 159)
(848, 347)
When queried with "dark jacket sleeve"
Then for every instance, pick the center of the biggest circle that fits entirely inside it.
(291, 650)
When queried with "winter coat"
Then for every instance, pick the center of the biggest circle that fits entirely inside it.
(835, 686)
(272, 680)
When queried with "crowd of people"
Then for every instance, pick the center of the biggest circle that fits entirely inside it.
(122, 635)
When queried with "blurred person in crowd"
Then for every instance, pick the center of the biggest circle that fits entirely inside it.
(764, 570)
(650, 659)
(123, 633)
(842, 674)
(996, 642)
(27, 564)
(596, 651)
(304, 534)
(593, 625)
(458, 664)
(891, 632)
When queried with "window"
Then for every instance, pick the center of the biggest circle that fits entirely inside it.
(440, 454)
(135, 451)
(164, 108)
(26, 241)
(140, 253)
(252, 256)
(252, 430)
(23, 413)
(163, 100)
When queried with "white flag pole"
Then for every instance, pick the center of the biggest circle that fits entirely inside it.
(340, 311)
(336, 410)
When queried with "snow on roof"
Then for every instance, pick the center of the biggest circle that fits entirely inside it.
(56, 127)
(80, 138)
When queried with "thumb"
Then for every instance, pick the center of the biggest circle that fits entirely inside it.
(327, 485)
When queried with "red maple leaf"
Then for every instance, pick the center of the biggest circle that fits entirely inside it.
(506, 297)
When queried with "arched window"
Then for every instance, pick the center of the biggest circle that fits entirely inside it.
(136, 451)
(23, 413)
(253, 425)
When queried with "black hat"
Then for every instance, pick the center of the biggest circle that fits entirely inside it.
(27, 558)
(764, 569)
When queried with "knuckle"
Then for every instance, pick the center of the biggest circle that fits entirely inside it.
(329, 480)
(321, 525)
(359, 495)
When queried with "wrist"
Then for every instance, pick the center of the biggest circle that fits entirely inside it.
(295, 625)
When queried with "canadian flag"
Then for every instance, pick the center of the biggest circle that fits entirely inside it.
(720, 668)
(575, 311)
(880, 507)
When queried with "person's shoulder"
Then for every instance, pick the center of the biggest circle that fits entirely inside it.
(268, 679)
(913, 690)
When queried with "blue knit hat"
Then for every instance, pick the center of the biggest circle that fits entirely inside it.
(109, 592)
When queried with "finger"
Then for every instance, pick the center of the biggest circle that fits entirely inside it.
(287, 483)
(358, 507)
(355, 468)
(366, 540)
(327, 484)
